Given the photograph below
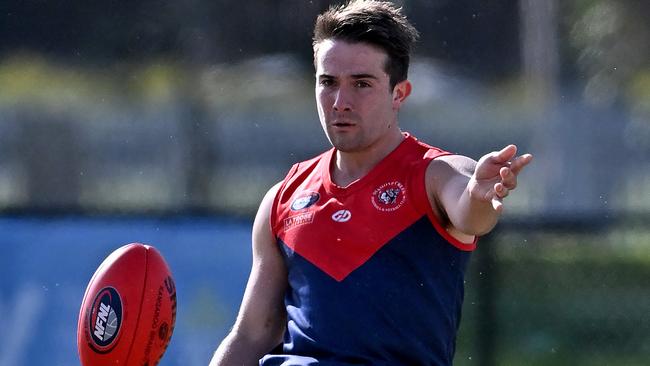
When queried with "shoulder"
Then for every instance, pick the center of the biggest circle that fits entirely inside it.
(440, 162)
(262, 223)
(270, 195)
(422, 149)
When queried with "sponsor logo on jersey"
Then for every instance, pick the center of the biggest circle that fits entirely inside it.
(297, 220)
(105, 319)
(389, 196)
(342, 216)
(304, 201)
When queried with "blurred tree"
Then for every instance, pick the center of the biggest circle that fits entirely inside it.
(480, 37)
(609, 44)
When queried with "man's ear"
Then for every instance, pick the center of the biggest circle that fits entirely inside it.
(400, 92)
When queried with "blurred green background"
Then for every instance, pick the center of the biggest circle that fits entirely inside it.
(193, 109)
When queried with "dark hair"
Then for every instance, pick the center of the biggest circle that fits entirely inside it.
(377, 23)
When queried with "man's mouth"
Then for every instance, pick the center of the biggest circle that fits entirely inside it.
(342, 124)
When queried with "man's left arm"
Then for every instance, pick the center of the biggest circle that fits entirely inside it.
(469, 194)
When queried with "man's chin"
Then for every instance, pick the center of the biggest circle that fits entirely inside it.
(347, 147)
(347, 144)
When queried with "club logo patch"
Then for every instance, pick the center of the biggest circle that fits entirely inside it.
(305, 201)
(389, 196)
(104, 320)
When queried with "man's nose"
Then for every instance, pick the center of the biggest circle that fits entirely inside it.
(342, 100)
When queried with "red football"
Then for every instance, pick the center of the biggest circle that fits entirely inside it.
(128, 312)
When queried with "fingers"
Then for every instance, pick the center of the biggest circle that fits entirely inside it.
(499, 170)
(506, 153)
(508, 181)
(508, 174)
(501, 191)
(520, 162)
(508, 177)
(496, 196)
(505, 182)
(497, 204)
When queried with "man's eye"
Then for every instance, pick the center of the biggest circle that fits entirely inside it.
(361, 84)
(326, 82)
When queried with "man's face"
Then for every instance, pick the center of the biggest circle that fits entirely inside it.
(356, 105)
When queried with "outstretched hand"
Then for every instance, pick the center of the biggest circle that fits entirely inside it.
(496, 175)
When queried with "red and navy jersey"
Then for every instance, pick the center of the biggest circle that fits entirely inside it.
(374, 279)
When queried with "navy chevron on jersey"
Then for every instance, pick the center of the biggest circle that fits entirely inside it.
(374, 279)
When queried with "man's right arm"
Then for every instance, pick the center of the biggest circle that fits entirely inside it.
(261, 320)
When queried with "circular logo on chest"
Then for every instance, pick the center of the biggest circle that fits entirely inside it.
(304, 201)
(389, 196)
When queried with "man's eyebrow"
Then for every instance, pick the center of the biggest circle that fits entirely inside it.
(363, 76)
(354, 76)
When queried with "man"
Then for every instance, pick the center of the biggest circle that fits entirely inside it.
(359, 254)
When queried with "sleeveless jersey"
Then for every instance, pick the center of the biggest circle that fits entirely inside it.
(374, 279)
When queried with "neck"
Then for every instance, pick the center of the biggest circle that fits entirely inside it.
(351, 166)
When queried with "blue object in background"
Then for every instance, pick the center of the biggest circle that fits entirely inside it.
(46, 264)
